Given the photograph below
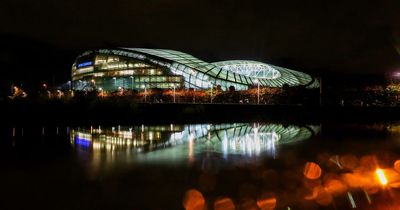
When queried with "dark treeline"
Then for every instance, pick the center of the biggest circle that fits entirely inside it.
(122, 110)
(29, 63)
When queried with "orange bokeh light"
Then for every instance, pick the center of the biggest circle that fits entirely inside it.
(267, 201)
(312, 170)
(194, 200)
(335, 186)
(224, 203)
(397, 165)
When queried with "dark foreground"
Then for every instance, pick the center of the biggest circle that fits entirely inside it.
(260, 165)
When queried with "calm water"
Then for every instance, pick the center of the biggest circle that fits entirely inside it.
(256, 165)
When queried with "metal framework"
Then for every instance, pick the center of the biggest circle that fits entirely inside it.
(196, 73)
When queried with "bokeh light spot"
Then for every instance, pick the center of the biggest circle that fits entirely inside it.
(312, 170)
(224, 203)
(267, 201)
(397, 165)
(335, 187)
(194, 200)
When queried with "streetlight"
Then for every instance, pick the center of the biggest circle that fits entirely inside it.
(145, 93)
(101, 91)
(93, 83)
(258, 91)
(131, 82)
(115, 82)
(69, 85)
(174, 91)
(190, 77)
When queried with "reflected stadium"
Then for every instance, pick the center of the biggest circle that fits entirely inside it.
(139, 68)
(182, 143)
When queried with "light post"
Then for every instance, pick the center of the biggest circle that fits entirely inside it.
(69, 85)
(93, 84)
(258, 91)
(211, 95)
(115, 82)
(101, 92)
(194, 95)
(190, 77)
(174, 91)
(145, 93)
(131, 82)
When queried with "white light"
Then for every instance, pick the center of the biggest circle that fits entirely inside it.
(250, 69)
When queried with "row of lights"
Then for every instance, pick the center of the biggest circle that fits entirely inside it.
(256, 81)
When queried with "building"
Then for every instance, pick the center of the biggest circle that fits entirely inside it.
(139, 68)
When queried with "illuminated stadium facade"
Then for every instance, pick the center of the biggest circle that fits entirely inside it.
(139, 68)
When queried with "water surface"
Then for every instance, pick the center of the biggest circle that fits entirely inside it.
(256, 165)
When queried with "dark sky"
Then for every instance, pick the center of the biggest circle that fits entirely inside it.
(357, 36)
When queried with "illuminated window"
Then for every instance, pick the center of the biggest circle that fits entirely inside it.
(100, 59)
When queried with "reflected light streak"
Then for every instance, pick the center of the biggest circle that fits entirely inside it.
(82, 142)
(351, 199)
(191, 148)
(368, 197)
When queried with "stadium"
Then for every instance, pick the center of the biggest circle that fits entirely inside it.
(139, 68)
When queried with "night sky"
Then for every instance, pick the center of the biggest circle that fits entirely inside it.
(312, 36)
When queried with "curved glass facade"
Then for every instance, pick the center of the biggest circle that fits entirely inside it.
(139, 68)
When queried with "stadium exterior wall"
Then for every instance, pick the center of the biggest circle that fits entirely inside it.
(139, 68)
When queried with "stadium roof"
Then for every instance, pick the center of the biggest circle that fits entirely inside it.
(244, 72)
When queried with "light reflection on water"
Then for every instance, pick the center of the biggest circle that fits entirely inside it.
(274, 166)
(179, 144)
